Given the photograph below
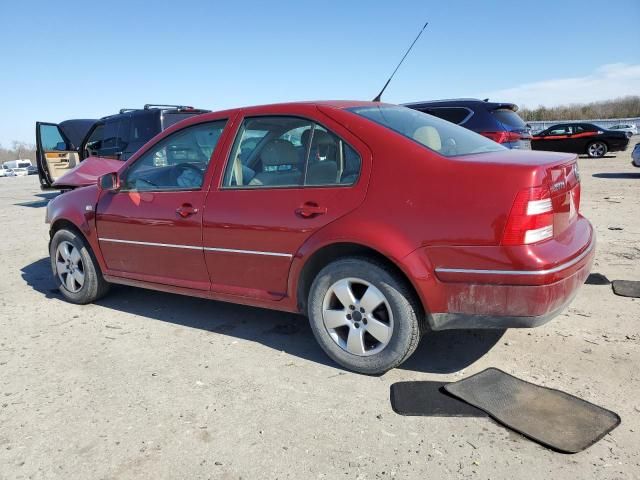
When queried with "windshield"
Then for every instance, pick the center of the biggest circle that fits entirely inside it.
(438, 135)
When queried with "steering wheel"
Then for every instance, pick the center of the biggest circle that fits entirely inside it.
(187, 175)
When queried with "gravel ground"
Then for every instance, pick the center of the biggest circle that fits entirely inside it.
(152, 385)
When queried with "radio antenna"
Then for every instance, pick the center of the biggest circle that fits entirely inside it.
(377, 99)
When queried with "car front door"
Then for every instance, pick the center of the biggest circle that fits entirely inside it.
(55, 155)
(151, 228)
(555, 139)
(286, 177)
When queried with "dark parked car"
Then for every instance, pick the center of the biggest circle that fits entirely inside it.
(580, 138)
(61, 147)
(377, 221)
(494, 120)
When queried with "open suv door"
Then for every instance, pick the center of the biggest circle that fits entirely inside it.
(61, 148)
(57, 148)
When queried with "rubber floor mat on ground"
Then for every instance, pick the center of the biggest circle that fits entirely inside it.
(550, 417)
(626, 288)
(429, 399)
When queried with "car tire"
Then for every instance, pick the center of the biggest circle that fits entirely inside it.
(383, 316)
(597, 149)
(75, 268)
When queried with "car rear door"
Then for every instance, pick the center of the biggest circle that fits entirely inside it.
(55, 154)
(253, 226)
(151, 228)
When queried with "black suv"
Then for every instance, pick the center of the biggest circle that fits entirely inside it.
(61, 147)
(497, 121)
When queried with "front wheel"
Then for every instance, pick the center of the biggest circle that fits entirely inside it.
(364, 316)
(597, 149)
(74, 268)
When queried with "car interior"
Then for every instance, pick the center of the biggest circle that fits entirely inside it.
(179, 162)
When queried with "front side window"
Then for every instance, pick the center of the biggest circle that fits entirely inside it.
(433, 133)
(178, 162)
(560, 130)
(51, 139)
(289, 152)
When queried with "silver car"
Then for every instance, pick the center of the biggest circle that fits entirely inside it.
(630, 128)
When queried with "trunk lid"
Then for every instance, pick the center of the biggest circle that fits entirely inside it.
(546, 192)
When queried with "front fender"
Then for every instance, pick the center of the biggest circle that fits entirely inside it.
(77, 207)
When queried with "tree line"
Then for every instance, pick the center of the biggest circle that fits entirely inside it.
(18, 151)
(622, 107)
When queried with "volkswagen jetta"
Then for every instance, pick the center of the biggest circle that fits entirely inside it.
(376, 221)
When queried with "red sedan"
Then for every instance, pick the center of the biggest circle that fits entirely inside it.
(376, 221)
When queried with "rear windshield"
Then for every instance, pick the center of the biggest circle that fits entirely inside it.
(439, 135)
(169, 118)
(509, 118)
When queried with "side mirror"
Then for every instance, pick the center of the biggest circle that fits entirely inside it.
(61, 146)
(109, 182)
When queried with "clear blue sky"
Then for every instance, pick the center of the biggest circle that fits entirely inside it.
(80, 59)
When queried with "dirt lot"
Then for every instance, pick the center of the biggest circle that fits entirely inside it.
(151, 385)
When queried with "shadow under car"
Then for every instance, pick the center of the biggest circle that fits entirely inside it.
(439, 352)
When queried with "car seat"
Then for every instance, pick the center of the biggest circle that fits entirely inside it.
(323, 164)
(279, 165)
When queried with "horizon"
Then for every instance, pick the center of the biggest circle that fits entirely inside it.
(191, 53)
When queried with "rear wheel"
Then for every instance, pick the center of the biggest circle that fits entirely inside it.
(597, 149)
(364, 316)
(74, 268)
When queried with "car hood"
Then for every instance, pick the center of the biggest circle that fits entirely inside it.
(87, 172)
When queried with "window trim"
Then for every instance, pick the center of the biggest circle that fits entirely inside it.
(127, 168)
(222, 187)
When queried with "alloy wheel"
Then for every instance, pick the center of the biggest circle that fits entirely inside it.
(69, 266)
(597, 149)
(357, 316)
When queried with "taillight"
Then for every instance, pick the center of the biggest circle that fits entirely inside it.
(502, 137)
(531, 217)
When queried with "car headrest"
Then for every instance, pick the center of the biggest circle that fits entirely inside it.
(323, 146)
(322, 138)
(429, 137)
(279, 152)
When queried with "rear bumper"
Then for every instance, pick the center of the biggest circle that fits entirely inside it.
(508, 298)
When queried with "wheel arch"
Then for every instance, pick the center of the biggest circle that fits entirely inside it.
(82, 229)
(61, 223)
(327, 254)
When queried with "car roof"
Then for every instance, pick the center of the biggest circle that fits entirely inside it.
(271, 107)
(462, 102)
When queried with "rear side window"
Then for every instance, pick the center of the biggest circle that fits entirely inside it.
(455, 115)
(433, 133)
(276, 152)
(509, 118)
